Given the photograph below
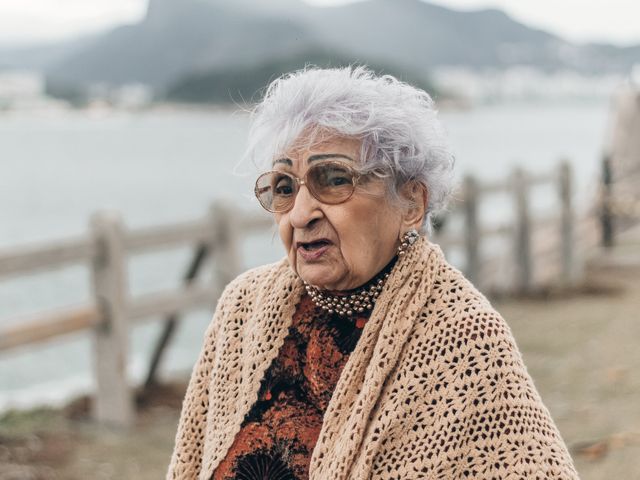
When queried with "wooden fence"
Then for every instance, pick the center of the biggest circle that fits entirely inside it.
(520, 232)
(619, 199)
(113, 312)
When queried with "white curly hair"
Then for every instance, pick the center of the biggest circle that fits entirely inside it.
(402, 138)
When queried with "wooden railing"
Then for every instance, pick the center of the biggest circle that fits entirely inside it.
(113, 311)
(619, 199)
(518, 186)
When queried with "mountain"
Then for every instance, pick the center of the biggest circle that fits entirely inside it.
(418, 33)
(188, 40)
(244, 84)
(280, 8)
(607, 57)
(177, 38)
(43, 57)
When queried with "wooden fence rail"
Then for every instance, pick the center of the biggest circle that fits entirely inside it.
(618, 203)
(518, 185)
(113, 311)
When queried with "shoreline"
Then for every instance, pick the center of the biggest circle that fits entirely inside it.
(100, 109)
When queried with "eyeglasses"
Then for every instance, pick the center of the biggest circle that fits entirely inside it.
(329, 182)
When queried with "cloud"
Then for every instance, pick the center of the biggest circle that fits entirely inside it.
(30, 21)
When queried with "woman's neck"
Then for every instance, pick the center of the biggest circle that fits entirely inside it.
(378, 276)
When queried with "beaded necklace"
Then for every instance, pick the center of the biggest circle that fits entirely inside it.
(364, 297)
(352, 301)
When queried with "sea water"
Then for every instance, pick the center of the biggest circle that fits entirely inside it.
(164, 166)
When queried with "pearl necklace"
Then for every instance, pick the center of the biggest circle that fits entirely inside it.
(357, 301)
(364, 297)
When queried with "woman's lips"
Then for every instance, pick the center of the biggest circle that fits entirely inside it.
(313, 250)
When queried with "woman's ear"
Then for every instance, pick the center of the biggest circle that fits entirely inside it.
(417, 198)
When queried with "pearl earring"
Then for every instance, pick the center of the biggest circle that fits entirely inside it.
(408, 238)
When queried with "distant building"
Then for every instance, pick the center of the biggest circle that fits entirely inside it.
(132, 96)
(23, 90)
(523, 83)
(20, 87)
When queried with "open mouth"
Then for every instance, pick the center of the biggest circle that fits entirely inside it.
(315, 245)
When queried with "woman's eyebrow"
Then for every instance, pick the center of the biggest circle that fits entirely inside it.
(286, 161)
(324, 156)
(312, 158)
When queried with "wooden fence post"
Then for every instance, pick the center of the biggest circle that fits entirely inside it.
(171, 322)
(472, 240)
(522, 239)
(567, 251)
(606, 215)
(226, 240)
(113, 404)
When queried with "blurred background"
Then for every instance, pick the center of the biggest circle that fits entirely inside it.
(122, 126)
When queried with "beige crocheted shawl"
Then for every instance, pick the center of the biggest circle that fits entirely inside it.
(435, 388)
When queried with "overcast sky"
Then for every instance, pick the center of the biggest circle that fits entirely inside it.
(614, 21)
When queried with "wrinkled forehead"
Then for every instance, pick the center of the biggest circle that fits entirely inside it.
(318, 143)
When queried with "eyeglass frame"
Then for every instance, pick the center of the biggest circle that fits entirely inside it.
(303, 181)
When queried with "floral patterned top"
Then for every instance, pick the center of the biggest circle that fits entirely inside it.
(278, 435)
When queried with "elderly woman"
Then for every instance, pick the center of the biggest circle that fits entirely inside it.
(362, 354)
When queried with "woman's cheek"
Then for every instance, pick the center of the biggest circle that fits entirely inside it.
(285, 231)
(286, 237)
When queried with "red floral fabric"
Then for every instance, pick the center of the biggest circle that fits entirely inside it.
(278, 435)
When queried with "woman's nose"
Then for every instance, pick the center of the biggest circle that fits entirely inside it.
(305, 209)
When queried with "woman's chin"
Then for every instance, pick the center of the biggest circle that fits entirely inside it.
(319, 276)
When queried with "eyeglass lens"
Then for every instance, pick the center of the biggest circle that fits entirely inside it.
(330, 183)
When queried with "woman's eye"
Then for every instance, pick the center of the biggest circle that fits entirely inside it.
(283, 190)
(283, 187)
(337, 181)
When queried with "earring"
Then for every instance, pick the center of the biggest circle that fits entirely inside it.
(408, 238)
